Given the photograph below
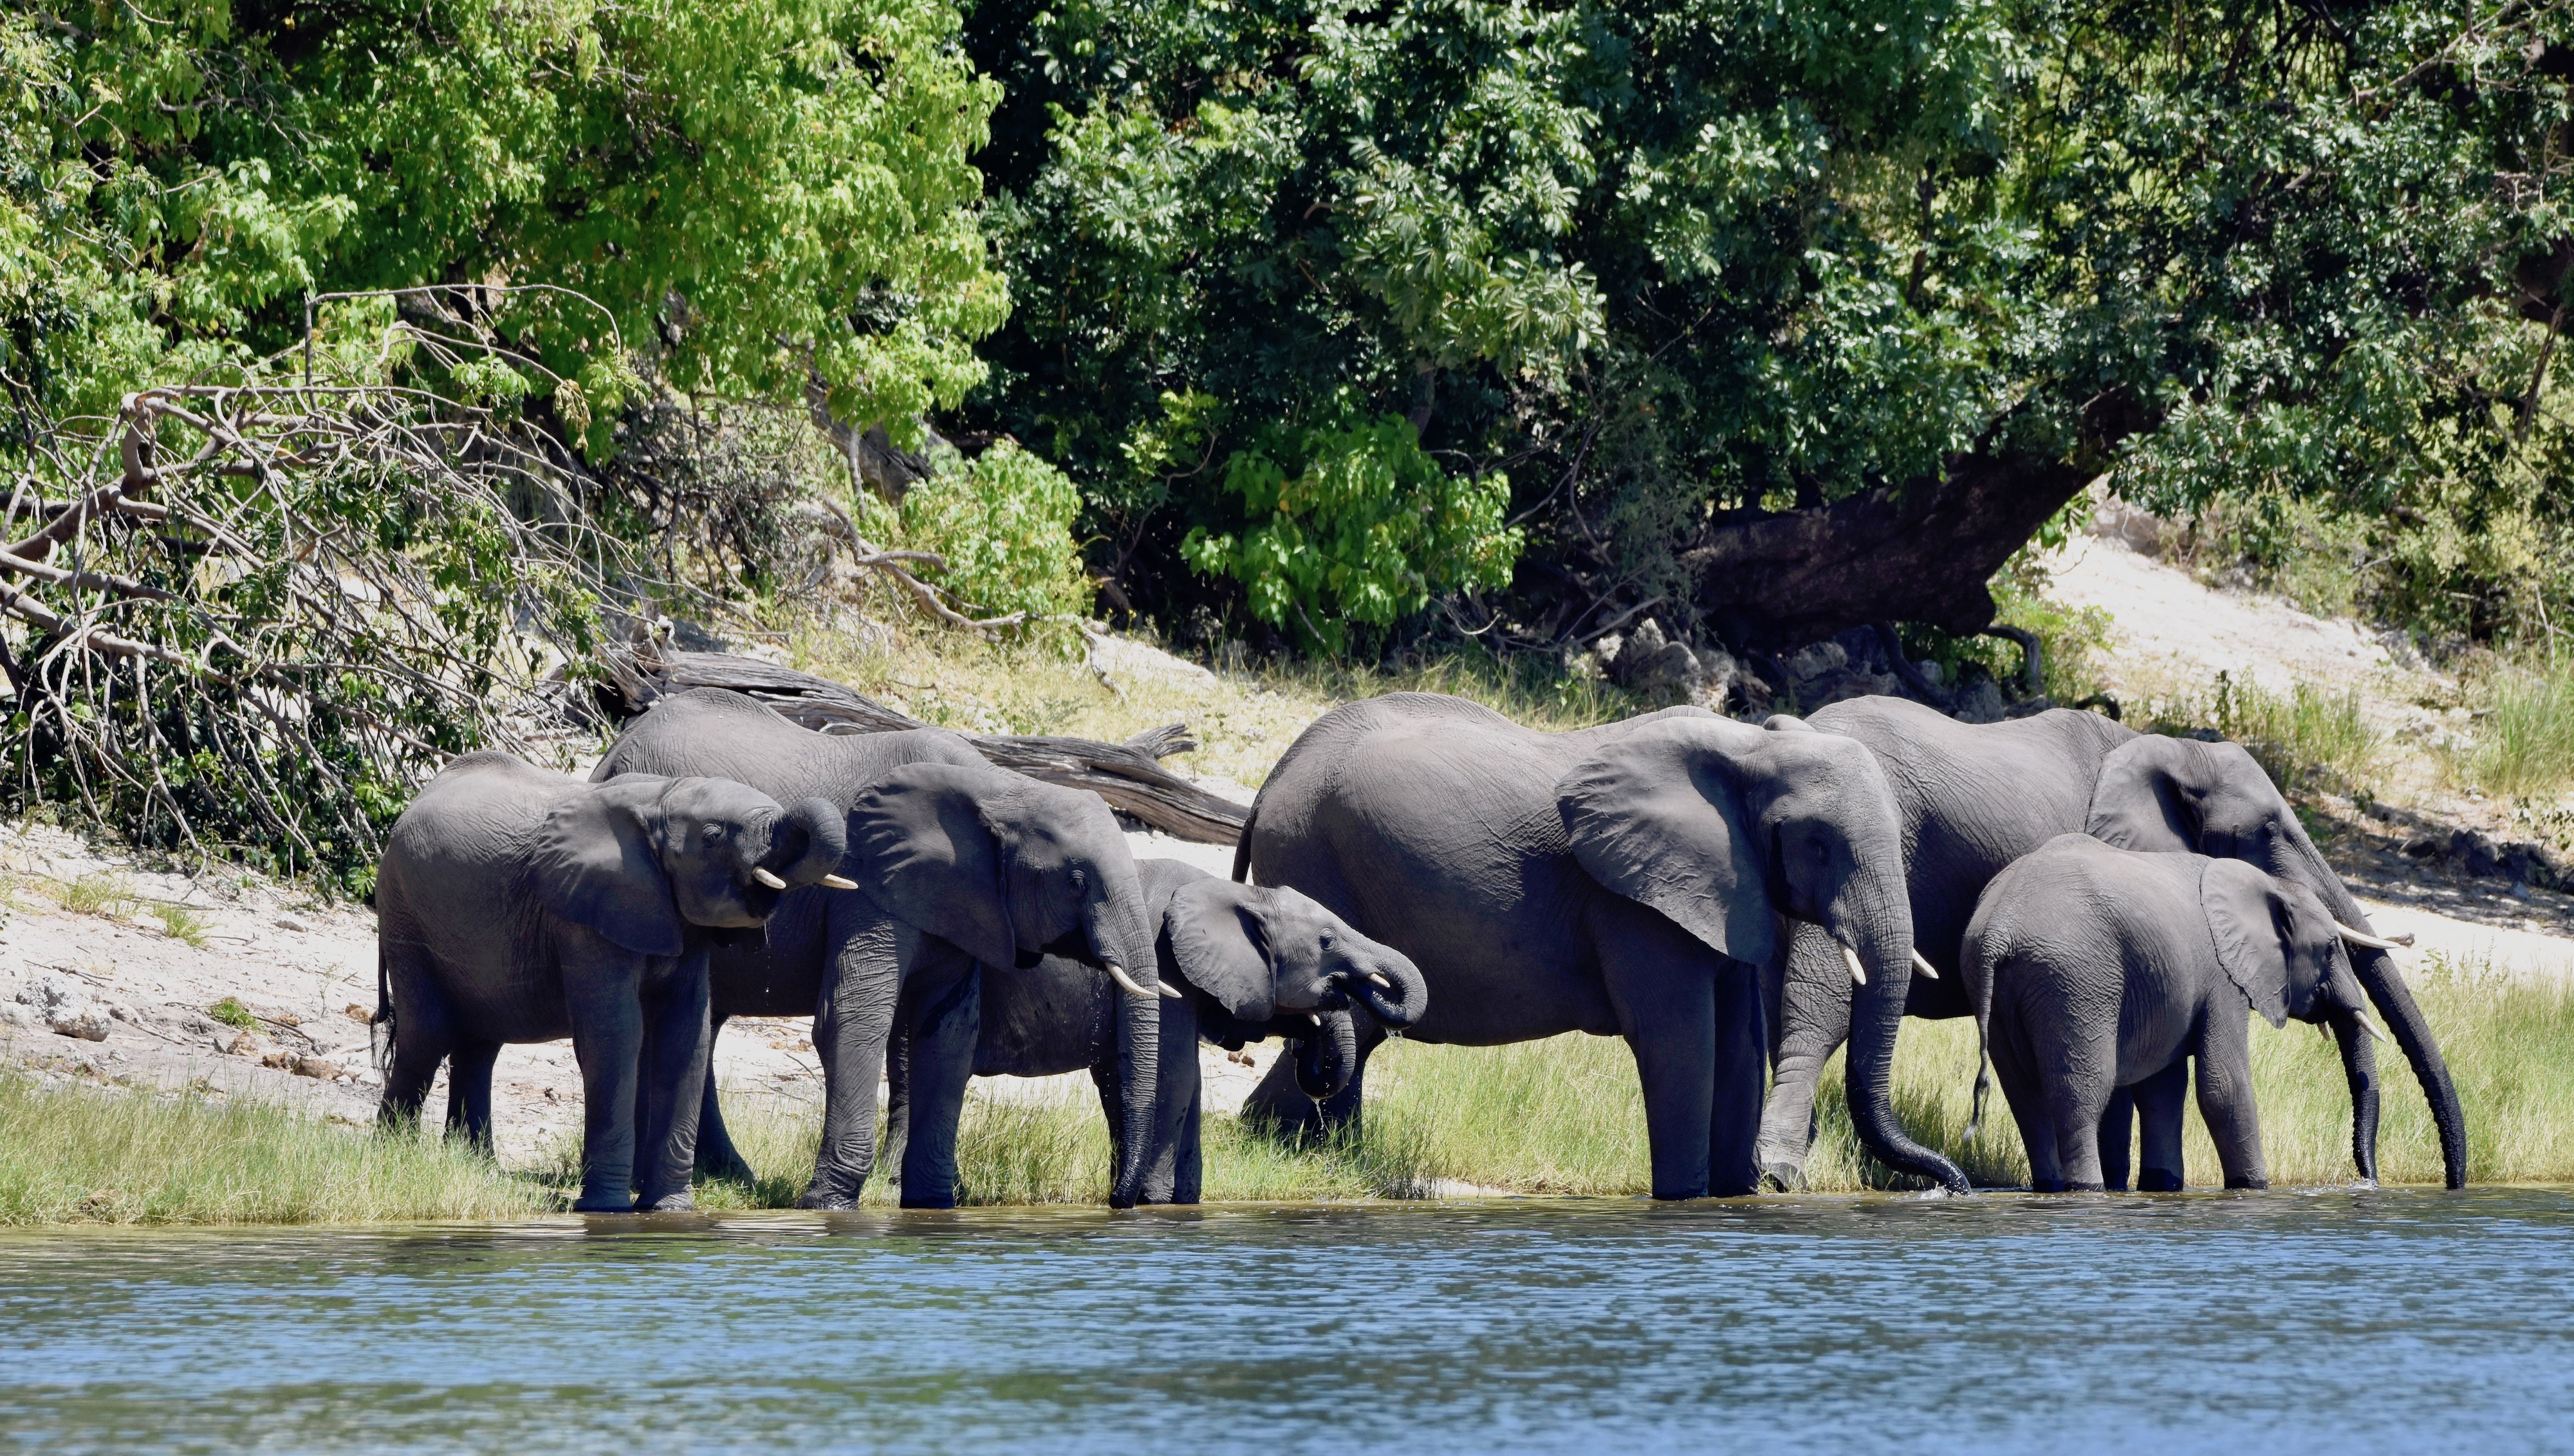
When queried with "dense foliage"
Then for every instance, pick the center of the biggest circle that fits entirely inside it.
(1671, 265)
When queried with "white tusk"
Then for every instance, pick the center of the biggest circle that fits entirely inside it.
(1131, 986)
(2374, 942)
(2368, 1026)
(768, 878)
(1859, 975)
(1379, 977)
(834, 882)
(1925, 966)
(1165, 989)
(1310, 1016)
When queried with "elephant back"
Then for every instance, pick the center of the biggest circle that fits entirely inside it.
(715, 734)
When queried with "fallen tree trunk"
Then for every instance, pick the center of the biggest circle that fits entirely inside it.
(1126, 775)
(1774, 580)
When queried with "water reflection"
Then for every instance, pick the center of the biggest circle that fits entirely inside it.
(2341, 1320)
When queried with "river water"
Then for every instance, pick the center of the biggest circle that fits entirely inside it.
(2320, 1321)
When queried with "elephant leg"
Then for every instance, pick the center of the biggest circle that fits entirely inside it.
(2078, 1092)
(423, 1035)
(2015, 1067)
(851, 1023)
(2225, 1096)
(1733, 1122)
(603, 987)
(716, 1157)
(1663, 986)
(2159, 1115)
(1171, 1163)
(678, 1047)
(2117, 1137)
(1279, 1104)
(948, 992)
(1810, 1020)
(897, 1081)
(469, 1092)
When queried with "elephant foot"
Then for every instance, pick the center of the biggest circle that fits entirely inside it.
(826, 1200)
(1785, 1177)
(2048, 1185)
(679, 1202)
(603, 1203)
(2253, 1185)
(949, 1202)
(2159, 1180)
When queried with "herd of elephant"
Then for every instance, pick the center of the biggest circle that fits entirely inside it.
(1736, 901)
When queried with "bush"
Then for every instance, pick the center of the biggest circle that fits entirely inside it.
(2524, 743)
(1354, 523)
(1001, 526)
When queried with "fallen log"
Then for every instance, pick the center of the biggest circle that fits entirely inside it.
(1126, 775)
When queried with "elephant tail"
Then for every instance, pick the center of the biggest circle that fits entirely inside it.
(1242, 847)
(379, 1031)
(1976, 966)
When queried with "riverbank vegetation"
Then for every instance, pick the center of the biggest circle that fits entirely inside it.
(1555, 1117)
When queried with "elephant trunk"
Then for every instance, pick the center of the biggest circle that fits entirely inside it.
(1391, 987)
(2359, 1063)
(1327, 1056)
(1881, 944)
(806, 842)
(2385, 986)
(1116, 928)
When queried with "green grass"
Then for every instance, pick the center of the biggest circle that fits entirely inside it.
(183, 924)
(98, 894)
(2306, 733)
(2524, 740)
(81, 1154)
(233, 1013)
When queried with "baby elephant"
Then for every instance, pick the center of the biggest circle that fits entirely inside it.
(2092, 969)
(1238, 963)
(513, 904)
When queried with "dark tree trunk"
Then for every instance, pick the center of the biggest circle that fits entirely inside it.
(1920, 553)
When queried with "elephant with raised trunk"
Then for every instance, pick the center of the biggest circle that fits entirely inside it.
(956, 863)
(1975, 798)
(1632, 879)
(1250, 962)
(2093, 969)
(513, 904)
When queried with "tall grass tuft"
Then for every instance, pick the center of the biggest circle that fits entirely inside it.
(79, 1154)
(2308, 733)
(2524, 742)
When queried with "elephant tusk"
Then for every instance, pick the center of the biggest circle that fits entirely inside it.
(768, 878)
(1859, 975)
(1131, 986)
(1310, 1016)
(1922, 964)
(2367, 1025)
(837, 881)
(1379, 977)
(1165, 989)
(2374, 942)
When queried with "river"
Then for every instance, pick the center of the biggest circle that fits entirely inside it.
(2340, 1320)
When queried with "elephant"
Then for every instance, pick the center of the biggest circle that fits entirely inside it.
(1628, 879)
(957, 863)
(2091, 968)
(514, 905)
(1250, 963)
(1976, 797)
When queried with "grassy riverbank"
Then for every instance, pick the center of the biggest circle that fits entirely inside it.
(1559, 1116)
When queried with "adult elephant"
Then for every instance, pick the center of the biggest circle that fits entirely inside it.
(1972, 799)
(1250, 962)
(956, 863)
(515, 906)
(1628, 880)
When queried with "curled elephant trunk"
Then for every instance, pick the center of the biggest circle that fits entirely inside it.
(1392, 988)
(1882, 978)
(1114, 924)
(1327, 1055)
(805, 844)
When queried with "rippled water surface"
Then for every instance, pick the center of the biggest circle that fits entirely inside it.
(2330, 1321)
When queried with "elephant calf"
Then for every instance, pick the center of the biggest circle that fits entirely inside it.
(1239, 963)
(2093, 969)
(513, 905)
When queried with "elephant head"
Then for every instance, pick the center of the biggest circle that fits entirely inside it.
(640, 857)
(1277, 964)
(2276, 941)
(1009, 870)
(2163, 793)
(1726, 830)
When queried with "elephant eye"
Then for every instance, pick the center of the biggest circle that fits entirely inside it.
(1080, 881)
(713, 833)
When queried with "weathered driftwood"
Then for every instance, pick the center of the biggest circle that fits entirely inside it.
(1126, 775)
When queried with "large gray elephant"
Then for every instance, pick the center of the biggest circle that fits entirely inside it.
(1975, 798)
(2091, 968)
(1627, 880)
(1251, 963)
(513, 904)
(956, 863)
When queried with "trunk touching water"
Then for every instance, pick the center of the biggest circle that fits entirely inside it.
(1884, 945)
(2359, 1065)
(1116, 931)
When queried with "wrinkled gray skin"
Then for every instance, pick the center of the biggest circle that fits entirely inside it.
(1250, 963)
(1973, 799)
(2092, 969)
(1625, 880)
(513, 904)
(957, 863)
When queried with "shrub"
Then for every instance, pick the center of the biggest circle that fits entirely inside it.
(1001, 526)
(2524, 743)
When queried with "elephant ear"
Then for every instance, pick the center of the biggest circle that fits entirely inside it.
(2138, 802)
(2250, 923)
(920, 848)
(596, 862)
(1220, 945)
(1658, 816)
